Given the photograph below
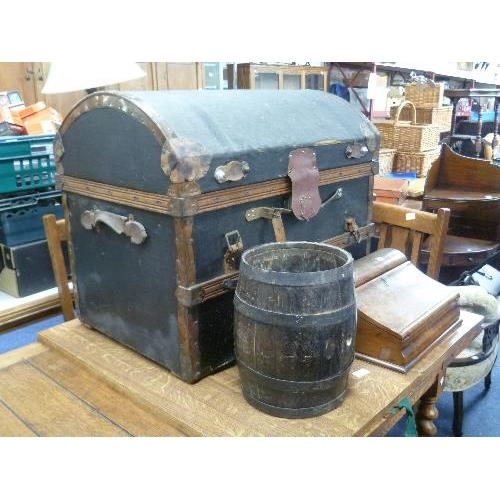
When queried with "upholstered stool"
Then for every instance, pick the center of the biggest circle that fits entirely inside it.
(474, 363)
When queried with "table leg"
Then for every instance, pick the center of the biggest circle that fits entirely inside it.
(427, 411)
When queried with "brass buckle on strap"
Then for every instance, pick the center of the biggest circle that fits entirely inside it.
(270, 213)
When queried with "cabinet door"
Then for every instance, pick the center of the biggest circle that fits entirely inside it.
(266, 80)
(179, 75)
(315, 81)
(19, 76)
(291, 82)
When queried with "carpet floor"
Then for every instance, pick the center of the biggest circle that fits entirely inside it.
(26, 334)
(481, 411)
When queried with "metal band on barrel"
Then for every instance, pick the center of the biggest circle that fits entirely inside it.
(294, 385)
(279, 319)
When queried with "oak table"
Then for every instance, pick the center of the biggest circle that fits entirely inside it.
(77, 382)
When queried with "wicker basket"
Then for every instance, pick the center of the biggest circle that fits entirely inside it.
(441, 117)
(425, 96)
(406, 135)
(385, 160)
(419, 162)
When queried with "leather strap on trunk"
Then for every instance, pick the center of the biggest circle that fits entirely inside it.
(304, 174)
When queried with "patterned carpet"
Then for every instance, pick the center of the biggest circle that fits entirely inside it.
(27, 334)
(481, 411)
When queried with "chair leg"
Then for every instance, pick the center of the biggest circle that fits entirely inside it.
(458, 413)
(487, 380)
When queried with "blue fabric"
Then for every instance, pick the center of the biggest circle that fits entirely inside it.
(340, 90)
(480, 411)
(26, 334)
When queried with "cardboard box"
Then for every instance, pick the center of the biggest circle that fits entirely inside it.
(46, 121)
(30, 110)
(389, 190)
(10, 116)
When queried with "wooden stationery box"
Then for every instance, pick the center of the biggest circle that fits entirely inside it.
(165, 189)
(401, 311)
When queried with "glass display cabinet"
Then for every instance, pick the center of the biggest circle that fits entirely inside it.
(278, 77)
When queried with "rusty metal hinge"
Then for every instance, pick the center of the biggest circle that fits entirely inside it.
(352, 227)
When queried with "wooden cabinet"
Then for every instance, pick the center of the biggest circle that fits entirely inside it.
(29, 78)
(178, 75)
(289, 77)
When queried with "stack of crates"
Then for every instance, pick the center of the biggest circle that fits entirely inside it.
(27, 192)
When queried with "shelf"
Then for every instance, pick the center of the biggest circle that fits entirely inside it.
(443, 70)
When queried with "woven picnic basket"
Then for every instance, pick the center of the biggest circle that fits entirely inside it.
(411, 161)
(426, 96)
(407, 135)
(441, 117)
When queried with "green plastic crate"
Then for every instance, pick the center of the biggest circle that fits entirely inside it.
(26, 162)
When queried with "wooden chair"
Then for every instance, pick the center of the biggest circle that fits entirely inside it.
(56, 232)
(406, 230)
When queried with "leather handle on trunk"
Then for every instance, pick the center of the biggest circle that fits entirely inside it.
(118, 223)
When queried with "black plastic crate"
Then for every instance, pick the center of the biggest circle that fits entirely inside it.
(21, 216)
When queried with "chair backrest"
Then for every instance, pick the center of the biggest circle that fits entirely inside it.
(406, 229)
(56, 232)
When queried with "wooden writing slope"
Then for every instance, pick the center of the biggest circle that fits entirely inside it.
(78, 382)
(402, 312)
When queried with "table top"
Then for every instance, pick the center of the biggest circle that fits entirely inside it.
(457, 195)
(72, 358)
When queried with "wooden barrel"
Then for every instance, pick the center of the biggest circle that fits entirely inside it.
(295, 327)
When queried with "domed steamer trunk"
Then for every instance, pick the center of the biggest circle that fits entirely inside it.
(295, 327)
(201, 173)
